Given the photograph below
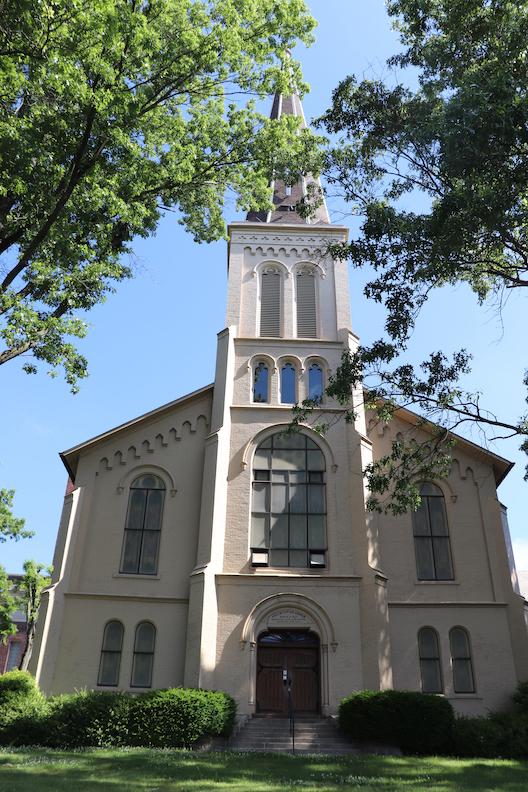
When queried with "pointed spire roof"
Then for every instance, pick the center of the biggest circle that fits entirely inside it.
(285, 198)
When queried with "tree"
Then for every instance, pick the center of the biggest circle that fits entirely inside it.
(456, 147)
(113, 112)
(36, 577)
(11, 527)
(7, 607)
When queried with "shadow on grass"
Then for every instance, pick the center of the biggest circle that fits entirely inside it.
(142, 770)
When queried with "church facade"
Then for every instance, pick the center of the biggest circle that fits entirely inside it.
(204, 545)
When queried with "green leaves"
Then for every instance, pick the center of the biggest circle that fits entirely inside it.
(113, 112)
(11, 527)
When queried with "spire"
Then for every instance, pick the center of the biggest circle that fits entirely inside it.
(285, 198)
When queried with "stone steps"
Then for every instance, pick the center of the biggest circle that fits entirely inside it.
(273, 735)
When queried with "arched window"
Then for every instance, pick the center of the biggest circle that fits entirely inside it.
(111, 654)
(289, 505)
(143, 526)
(288, 384)
(431, 536)
(463, 681)
(430, 667)
(261, 383)
(306, 305)
(315, 382)
(144, 642)
(270, 304)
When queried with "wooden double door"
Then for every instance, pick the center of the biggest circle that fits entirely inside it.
(284, 656)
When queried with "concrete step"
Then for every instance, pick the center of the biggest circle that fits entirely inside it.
(312, 735)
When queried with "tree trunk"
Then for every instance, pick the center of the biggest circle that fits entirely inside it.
(28, 651)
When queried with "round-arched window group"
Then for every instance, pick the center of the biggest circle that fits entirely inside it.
(142, 658)
(288, 382)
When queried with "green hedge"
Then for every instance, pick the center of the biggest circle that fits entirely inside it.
(503, 736)
(19, 698)
(417, 723)
(161, 718)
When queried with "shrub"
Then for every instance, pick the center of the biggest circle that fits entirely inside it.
(20, 698)
(87, 718)
(415, 722)
(497, 736)
(179, 717)
(520, 698)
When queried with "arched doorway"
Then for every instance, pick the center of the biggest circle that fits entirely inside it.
(283, 655)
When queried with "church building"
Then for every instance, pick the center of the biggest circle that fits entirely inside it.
(203, 545)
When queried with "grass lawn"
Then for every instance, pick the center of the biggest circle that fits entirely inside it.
(143, 770)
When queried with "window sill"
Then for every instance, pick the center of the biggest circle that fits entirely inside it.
(464, 696)
(436, 583)
(136, 576)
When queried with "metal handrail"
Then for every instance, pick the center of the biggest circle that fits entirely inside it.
(291, 715)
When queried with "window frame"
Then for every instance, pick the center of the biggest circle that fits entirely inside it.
(271, 269)
(104, 652)
(466, 659)
(316, 552)
(432, 539)
(310, 272)
(290, 364)
(260, 363)
(136, 652)
(127, 533)
(437, 659)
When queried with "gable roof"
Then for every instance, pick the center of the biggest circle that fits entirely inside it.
(70, 458)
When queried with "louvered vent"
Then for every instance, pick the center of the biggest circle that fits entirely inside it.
(270, 304)
(306, 314)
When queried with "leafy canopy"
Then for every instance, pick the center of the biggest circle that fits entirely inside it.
(112, 112)
(457, 147)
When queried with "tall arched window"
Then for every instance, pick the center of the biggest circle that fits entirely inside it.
(315, 382)
(306, 305)
(111, 648)
(431, 536)
(463, 681)
(289, 505)
(261, 383)
(143, 526)
(430, 667)
(270, 303)
(288, 384)
(143, 660)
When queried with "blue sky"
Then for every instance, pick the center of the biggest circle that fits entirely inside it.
(155, 339)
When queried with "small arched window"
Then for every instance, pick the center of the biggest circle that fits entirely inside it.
(315, 382)
(111, 648)
(430, 667)
(143, 660)
(270, 304)
(288, 384)
(143, 526)
(431, 536)
(306, 305)
(463, 680)
(261, 383)
(289, 502)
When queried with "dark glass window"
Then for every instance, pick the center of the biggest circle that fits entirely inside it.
(111, 654)
(261, 383)
(143, 659)
(143, 526)
(431, 536)
(288, 384)
(289, 503)
(463, 681)
(430, 667)
(315, 382)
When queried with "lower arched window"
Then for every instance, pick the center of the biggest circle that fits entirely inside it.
(430, 666)
(143, 660)
(111, 648)
(463, 681)
(289, 504)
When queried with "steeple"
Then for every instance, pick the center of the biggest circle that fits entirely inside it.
(285, 197)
